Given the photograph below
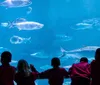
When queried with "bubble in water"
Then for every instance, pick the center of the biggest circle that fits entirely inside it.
(29, 10)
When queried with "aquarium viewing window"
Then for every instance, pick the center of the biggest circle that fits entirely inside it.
(38, 30)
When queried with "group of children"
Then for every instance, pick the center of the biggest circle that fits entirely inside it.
(81, 73)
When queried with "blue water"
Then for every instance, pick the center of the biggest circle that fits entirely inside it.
(73, 25)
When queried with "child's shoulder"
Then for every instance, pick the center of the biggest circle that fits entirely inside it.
(12, 67)
(61, 68)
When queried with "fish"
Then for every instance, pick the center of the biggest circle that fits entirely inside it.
(71, 53)
(40, 55)
(63, 37)
(15, 3)
(23, 24)
(19, 40)
(88, 24)
(86, 48)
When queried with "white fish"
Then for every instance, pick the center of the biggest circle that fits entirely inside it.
(28, 25)
(34, 54)
(83, 24)
(87, 48)
(63, 37)
(16, 3)
(19, 40)
(39, 55)
(22, 24)
(93, 23)
(69, 54)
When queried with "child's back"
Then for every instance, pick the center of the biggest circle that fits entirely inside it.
(7, 75)
(24, 76)
(95, 68)
(21, 79)
(55, 75)
(80, 72)
(7, 72)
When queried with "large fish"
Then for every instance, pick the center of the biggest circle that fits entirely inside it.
(71, 53)
(83, 49)
(15, 3)
(22, 24)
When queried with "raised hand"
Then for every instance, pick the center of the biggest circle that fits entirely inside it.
(33, 69)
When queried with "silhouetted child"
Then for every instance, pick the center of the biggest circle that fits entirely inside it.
(56, 74)
(80, 73)
(26, 75)
(95, 68)
(7, 71)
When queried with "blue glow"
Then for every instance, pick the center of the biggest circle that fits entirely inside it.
(38, 30)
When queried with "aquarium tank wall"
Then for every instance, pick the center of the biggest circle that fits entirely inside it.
(38, 30)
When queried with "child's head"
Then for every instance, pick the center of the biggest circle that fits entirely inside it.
(97, 54)
(22, 65)
(55, 62)
(6, 57)
(83, 59)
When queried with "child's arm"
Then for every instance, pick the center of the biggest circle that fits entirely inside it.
(33, 69)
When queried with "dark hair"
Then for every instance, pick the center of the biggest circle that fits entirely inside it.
(6, 57)
(97, 54)
(55, 62)
(84, 59)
